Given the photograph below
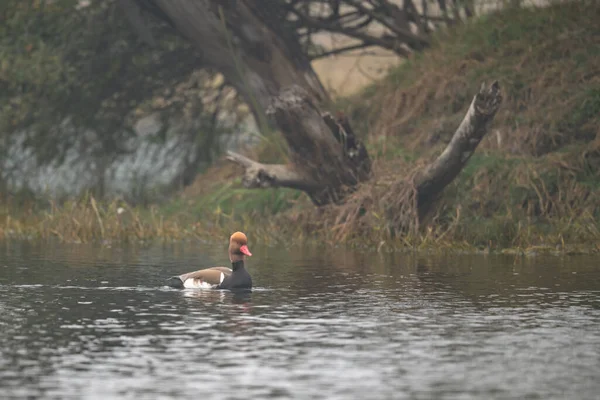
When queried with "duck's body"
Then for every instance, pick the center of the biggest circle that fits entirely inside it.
(236, 277)
(215, 278)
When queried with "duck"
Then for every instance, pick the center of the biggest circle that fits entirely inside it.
(236, 277)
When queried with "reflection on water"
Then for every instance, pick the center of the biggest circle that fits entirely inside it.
(90, 322)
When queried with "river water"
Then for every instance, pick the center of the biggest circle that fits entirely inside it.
(87, 322)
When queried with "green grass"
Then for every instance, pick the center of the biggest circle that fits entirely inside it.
(230, 199)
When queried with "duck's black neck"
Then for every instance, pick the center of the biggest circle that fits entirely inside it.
(237, 265)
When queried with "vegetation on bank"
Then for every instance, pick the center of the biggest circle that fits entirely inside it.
(533, 184)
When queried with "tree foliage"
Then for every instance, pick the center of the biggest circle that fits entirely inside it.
(71, 68)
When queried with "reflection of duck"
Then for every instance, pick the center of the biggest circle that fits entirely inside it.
(207, 295)
(236, 277)
(243, 298)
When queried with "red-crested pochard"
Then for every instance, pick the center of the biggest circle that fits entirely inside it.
(236, 277)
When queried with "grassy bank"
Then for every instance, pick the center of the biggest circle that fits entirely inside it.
(533, 184)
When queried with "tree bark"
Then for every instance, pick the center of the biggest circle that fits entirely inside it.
(433, 179)
(261, 176)
(234, 41)
(275, 76)
(327, 160)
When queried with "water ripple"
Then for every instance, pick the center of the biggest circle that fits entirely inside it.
(314, 329)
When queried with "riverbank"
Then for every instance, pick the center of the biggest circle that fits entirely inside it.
(532, 186)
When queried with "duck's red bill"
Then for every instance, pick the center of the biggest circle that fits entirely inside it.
(244, 250)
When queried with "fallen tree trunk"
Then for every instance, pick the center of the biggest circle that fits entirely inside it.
(271, 71)
(409, 201)
(327, 159)
(234, 39)
(436, 176)
(294, 113)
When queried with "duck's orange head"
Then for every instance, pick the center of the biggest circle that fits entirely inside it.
(238, 245)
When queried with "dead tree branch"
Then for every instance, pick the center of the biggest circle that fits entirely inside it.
(400, 27)
(261, 176)
(327, 159)
(472, 129)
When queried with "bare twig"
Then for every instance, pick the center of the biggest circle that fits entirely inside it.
(341, 50)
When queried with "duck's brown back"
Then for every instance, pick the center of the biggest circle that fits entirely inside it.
(204, 277)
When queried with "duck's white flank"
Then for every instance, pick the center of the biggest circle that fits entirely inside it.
(200, 284)
(196, 284)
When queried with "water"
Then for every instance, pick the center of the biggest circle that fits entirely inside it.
(87, 322)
